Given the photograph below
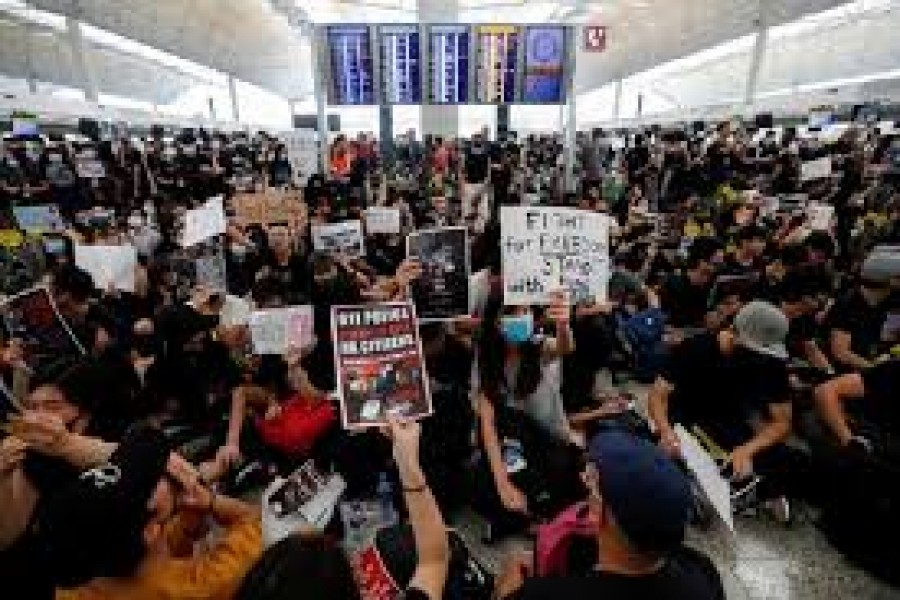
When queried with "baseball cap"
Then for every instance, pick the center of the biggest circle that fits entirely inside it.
(647, 494)
(94, 527)
(762, 327)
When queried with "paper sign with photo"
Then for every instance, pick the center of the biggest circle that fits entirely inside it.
(378, 358)
(204, 222)
(340, 238)
(33, 318)
(382, 220)
(277, 330)
(39, 219)
(820, 216)
(547, 248)
(109, 265)
(211, 272)
(442, 291)
(816, 169)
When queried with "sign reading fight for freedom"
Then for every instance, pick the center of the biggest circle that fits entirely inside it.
(548, 248)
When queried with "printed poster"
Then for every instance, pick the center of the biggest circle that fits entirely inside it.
(204, 222)
(545, 249)
(39, 219)
(442, 291)
(277, 330)
(816, 169)
(109, 266)
(378, 358)
(339, 238)
(380, 219)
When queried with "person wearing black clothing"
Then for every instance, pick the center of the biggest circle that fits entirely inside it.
(640, 502)
(747, 259)
(637, 162)
(851, 183)
(684, 297)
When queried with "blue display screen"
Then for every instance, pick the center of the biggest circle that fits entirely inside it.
(401, 64)
(545, 53)
(449, 64)
(352, 71)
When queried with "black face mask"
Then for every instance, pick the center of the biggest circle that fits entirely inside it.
(147, 345)
(337, 290)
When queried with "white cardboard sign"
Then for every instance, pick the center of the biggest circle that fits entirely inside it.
(109, 265)
(277, 330)
(816, 169)
(548, 248)
(383, 220)
(706, 472)
(339, 238)
(204, 222)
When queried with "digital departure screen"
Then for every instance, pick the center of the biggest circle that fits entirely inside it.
(545, 59)
(352, 71)
(498, 48)
(449, 47)
(401, 64)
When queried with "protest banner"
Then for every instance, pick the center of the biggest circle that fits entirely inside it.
(547, 248)
(378, 359)
(381, 219)
(109, 266)
(339, 238)
(39, 219)
(442, 291)
(272, 206)
(277, 330)
(33, 318)
(204, 222)
(816, 169)
(90, 169)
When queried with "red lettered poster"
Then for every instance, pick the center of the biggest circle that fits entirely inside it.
(379, 364)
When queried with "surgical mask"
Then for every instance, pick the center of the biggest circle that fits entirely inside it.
(517, 329)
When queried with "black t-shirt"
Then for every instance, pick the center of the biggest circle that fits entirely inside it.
(687, 575)
(801, 330)
(684, 302)
(879, 405)
(854, 315)
(476, 166)
(714, 388)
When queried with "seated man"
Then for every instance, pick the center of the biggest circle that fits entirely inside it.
(641, 503)
(722, 383)
(127, 529)
(685, 296)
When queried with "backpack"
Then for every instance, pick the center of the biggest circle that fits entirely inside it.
(555, 540)
(385, 568)
(643, 334)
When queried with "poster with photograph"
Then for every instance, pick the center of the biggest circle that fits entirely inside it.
(32, 318)
(39, 219)
(442, 291)
(378, 358)
(340, 238)
(277, 330)
(202, 265)
(303, 152)
(545, 249)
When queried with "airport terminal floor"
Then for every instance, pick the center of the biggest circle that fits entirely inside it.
(457, 299)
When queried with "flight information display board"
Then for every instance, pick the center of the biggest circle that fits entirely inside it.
(401, 64)
(351, 66)
(496, 63)
(545, 59)
(449, 51)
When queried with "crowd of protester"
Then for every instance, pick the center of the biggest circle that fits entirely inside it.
(134, 471)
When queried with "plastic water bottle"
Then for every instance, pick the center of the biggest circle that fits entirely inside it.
(385, 492)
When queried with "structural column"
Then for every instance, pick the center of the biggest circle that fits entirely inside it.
(569, 124)
(759, 52)
(232, 93)
(82, 61)
(617, 100)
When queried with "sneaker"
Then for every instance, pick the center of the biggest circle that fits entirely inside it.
(780, 510)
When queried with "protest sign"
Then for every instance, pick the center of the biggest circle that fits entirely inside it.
(442, 291)
(39, 219)
(303, 153)
(820, 216)
(22, 266)
(210, 271)
(200, 265)
(378, 358)
(816, 169)
(380, 219)
(109, 266)
(11, 238)
(268, 208)
(339, 238)
(277, 330)
(707, 475)
(33, 318)
(90, 169)
(547, 248)
(204, 222)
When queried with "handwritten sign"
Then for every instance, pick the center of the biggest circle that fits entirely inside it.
(820, 216)
(277, 330)
(383, 220)
(39, 219)
(109, 266)
(339, 238)
(204, 222)
(270, 207)
(547, 248)
(816, 169)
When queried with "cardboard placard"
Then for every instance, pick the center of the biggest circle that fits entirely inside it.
(820, 216)
(378, 358)
(277, 330)
(204, 222)
(109, 265)
(442, 291)
(381, 219)
(270, 207)
(90, 169)
(816, 169)
(550, 248)
(340, 238)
